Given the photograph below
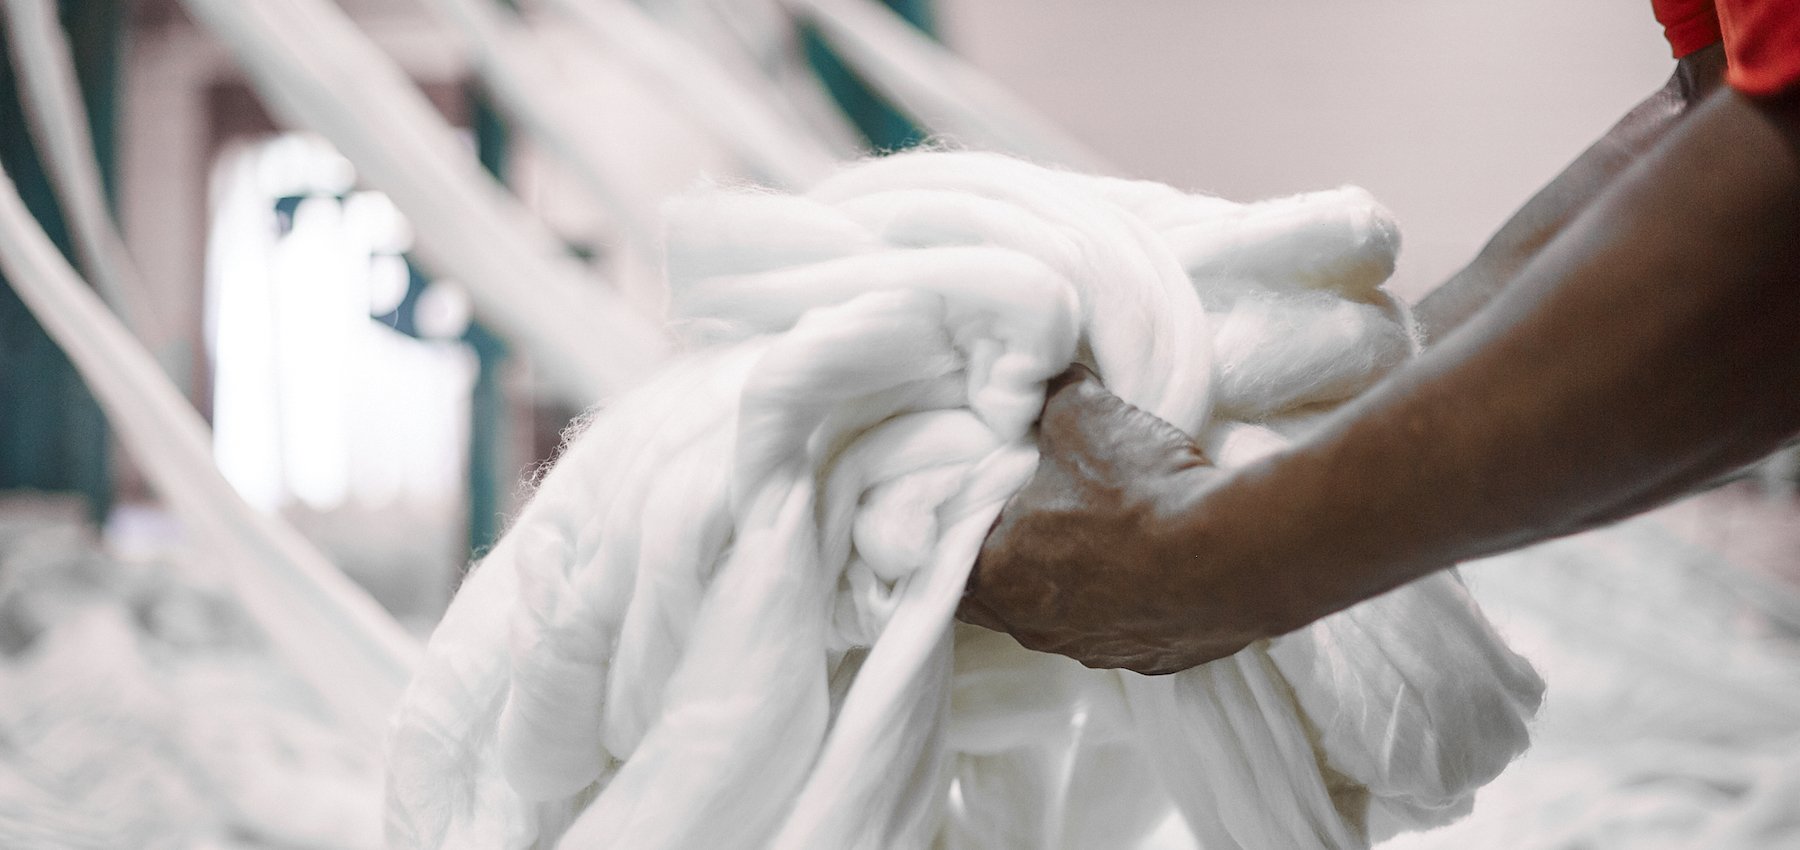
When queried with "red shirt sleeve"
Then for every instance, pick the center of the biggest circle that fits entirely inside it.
(1762, 45)
(1688, 24)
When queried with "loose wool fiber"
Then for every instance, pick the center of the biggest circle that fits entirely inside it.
(725, 618)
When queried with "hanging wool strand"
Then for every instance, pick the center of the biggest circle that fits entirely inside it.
(725, 619)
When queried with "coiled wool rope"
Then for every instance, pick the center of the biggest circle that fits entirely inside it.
(725, 619)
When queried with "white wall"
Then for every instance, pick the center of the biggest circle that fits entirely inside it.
(1452, 112)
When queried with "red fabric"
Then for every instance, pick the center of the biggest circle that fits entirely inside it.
(1762, 45)
(1762, 38)
(1688, 24)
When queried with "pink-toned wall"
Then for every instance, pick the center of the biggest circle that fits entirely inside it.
(1451, 111)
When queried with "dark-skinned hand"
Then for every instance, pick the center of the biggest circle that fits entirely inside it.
(1090, 559)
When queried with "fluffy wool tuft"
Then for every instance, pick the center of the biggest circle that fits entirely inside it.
(725, 618)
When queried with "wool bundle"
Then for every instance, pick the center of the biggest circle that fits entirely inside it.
(725, 618)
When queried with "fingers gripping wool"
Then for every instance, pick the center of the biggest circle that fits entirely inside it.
(725, 619)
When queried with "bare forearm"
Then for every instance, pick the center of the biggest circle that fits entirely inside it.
(1653, 343)
(1553, 207)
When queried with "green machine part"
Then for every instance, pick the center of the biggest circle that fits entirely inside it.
(489, 475)
(883, 125)
(53, 436)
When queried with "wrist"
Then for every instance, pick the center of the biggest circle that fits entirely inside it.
(1229, 551)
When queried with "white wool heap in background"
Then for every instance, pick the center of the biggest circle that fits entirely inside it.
(725, 619)
(141, 707)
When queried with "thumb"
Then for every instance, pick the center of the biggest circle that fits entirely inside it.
(1101, 434)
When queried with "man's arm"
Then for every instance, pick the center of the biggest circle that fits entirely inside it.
(1654, 342)
(1696, 76)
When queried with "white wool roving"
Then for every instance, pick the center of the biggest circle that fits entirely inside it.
(725, 619)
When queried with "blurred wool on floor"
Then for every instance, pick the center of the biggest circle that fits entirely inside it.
(140, 708)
